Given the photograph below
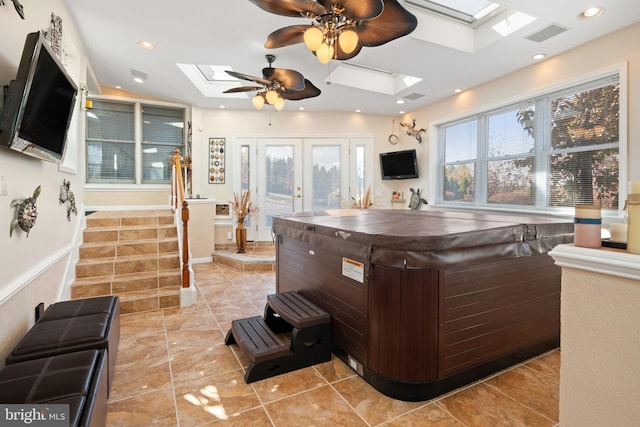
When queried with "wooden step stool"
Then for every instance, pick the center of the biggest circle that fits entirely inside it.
(257, 336)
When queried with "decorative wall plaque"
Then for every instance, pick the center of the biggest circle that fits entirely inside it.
(217, 155)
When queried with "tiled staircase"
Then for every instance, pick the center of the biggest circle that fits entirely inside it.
(132, 254)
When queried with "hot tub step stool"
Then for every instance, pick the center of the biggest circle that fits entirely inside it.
(269, 355)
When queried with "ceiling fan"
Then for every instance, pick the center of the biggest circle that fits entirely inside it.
(277, 85)
(340, 28)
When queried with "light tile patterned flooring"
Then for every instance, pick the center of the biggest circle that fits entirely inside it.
(173, 369)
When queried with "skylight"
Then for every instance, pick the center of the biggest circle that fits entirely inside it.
(211, 80)
(373, 80)
(513, 23)
(468, 11)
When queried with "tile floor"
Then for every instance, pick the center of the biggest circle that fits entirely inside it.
(173, 369)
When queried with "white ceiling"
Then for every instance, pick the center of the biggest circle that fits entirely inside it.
(445, 55)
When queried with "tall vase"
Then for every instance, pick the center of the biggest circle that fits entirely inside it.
(241, 236)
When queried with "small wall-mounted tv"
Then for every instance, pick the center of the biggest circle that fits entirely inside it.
(39, 103)
(399, 164)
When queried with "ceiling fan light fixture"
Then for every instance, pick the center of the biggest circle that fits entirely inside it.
(279, 104)
(348, 40)
(313, 37)
(258, 101)
(272, 96)
(324, 53)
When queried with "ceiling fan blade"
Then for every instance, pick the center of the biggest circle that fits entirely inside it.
(286, 36)
(395, 22)
(241, 76)
(243, 89)
(288, 79)
(295, 8)
(357, 9)
(309, 91)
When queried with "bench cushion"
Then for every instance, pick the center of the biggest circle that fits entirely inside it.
(76, 379)
(81, 307)
(62, 336)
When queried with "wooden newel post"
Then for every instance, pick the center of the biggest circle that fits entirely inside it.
(185, 245)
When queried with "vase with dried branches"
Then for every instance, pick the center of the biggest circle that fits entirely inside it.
(361, 201)
(242, 206)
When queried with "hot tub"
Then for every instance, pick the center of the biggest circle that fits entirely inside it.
(423, 302)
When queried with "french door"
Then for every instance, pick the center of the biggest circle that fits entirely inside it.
(289, 175)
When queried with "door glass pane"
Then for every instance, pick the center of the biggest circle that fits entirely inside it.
(245, 176)
(280, 188)
(360, 171)
(326, 178)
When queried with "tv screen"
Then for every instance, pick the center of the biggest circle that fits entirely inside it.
(39, 104)
(399, 164)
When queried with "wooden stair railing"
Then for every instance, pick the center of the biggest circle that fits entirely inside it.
(178, 200)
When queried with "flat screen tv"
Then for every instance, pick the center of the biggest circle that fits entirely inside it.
(39, 103)
(399, 164)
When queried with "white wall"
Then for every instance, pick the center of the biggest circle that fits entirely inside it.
(35, 268)
(585, 60)
(268, 123)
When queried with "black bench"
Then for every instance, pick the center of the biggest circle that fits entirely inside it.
(74, 325)
(74, 379)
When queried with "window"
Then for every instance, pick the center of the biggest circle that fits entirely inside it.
(162, 133)
(112, 146)
(110, 143)
(551, 152)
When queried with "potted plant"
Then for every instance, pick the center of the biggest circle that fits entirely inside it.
(242, 205)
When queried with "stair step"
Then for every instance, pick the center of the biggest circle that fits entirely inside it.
(135, 302)
(133, 254)
(258, 341)
(126, 265)
(297, 310)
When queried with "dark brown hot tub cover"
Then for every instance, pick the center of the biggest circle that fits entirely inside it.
(425, 239)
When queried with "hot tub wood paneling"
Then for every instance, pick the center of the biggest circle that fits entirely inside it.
(441, 299)
(316, 273)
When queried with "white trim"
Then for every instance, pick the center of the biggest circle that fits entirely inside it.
(127, 187)
(21, 282)
(612, 262)
(202, 260)
(127, 208)
(70, 269)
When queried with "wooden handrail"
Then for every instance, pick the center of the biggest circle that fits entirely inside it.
(178, 199)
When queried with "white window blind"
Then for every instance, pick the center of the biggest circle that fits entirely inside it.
(554, 151)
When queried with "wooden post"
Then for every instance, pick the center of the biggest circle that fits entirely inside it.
(185, 245)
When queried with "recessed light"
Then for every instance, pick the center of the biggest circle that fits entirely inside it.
(146, 45)
(458, 90)
(301, 108)
(400, 112)
(223, 107)
(400, 101)
(358, 111)
(592, 12)
(138, 80)
(538, 56)
(118, 87)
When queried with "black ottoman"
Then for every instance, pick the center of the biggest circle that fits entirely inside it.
(82, 307)
(53, 337)
(76, 379)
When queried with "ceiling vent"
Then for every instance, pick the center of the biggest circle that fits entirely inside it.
(546, 33)
(414, 96)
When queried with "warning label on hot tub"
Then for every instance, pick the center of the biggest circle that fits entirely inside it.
(353, 269)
